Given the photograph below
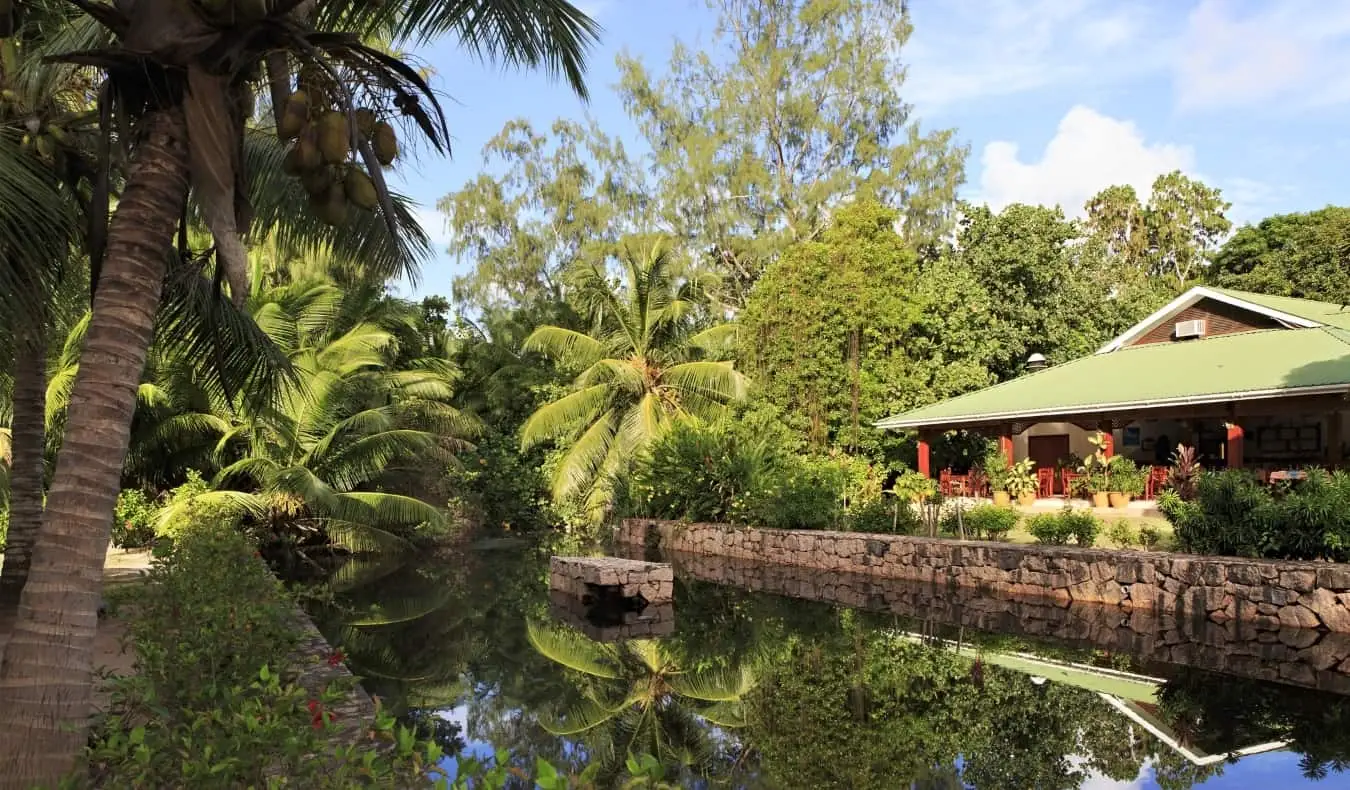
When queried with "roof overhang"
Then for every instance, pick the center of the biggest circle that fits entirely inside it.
(959, 421)
(1193, 296)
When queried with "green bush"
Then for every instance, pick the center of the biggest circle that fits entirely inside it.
(1122, 533)
(1057, 529)
(502, 488)
(991, 521)
(800, 493)
(192, 514)
(207, 707)
(698, 472)
(134, 519)
(1150, 537)
(1234, 514)
(893, 517)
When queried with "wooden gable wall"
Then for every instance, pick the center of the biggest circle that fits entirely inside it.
(1220, 319)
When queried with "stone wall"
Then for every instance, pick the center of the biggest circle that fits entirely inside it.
(1268, 594)
(1297, 656)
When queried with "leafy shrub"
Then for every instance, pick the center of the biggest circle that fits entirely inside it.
(184, 509)
(991, 521)
(697, 472)
(1122, 533)
(893, 517)
(1150, 537)
(134, 519)
(1234, 514)
(502, 488)
(207, 590)
(800, 493)
(1057, 529)
(207, 708)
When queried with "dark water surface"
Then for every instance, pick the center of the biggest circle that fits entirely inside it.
(765, 677)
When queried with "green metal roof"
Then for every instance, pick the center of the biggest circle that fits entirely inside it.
(1327, 313)
(1243, 366)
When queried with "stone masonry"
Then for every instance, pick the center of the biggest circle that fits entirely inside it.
(590, 577)
(653, 621)
(1268, 594)
(1297, 656)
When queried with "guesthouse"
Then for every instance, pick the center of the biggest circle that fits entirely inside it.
(1248, 380)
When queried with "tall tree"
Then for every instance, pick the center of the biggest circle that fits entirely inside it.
(825, 331)
(799, 107)
(1173, 236)
(554, 199)
(178, 81)
(1304, 255)
(796, 106)
(643, 363)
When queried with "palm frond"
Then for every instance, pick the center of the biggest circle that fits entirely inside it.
(364, 538)
(396, 609)
(385, 509)
(574, 651)
(581, 718)
(714, 686)
(584, 460)
(564, 415)
(567, 346)
(718, 381)
(553, 35)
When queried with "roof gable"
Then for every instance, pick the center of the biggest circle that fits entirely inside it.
(1288, 312)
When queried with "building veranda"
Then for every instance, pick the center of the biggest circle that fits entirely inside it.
(1247, 380)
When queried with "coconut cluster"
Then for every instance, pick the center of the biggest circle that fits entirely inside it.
(321, 154)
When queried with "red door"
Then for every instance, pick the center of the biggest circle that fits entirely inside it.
(1046, 451)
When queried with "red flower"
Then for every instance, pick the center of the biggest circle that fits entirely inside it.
(335, 658)
(318, 716)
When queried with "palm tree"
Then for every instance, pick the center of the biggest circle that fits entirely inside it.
(643, 364)
(310, 465)
(179, 68)
(38, 226)
(637, 698)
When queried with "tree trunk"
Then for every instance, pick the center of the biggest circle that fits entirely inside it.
(46, 677)
(27, 470)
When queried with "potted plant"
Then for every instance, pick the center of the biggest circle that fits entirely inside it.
(996, 471)
(1021, 481)
(1096, 479)
(1123, 481)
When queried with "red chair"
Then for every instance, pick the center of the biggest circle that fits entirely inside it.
(960, 485)
(945, 482)
(1067, 477)
(1156, 481)
(1045, 482)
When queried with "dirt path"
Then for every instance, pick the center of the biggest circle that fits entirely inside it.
(121, 567)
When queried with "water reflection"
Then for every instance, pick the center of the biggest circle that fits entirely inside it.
(767, 690)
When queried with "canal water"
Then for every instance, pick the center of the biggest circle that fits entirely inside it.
(762, 677)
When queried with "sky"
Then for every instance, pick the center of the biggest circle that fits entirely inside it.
(1056, 99)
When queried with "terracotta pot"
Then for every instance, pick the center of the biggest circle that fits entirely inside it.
(1119, 500)
(1026, 500)
(1100, 499)
(1002, 498)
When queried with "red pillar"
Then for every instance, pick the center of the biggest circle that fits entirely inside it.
(1005, 446)
(925, 467)
(1233, 451)
(1108, 438)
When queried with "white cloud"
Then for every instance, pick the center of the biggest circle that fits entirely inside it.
(1291, 49)
(963, 50)
(436, 225)
(1089, 151)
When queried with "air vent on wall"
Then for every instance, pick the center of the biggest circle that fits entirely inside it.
(1185, 329)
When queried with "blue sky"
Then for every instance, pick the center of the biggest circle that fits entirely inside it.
(1056, 98)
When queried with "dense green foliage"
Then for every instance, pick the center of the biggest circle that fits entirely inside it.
(210, 705)
(1234, 514)
(990, 521)
(1057, 529)
(1301, 255)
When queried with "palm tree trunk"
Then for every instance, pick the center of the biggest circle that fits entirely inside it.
(46, 677)
(27, 470)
